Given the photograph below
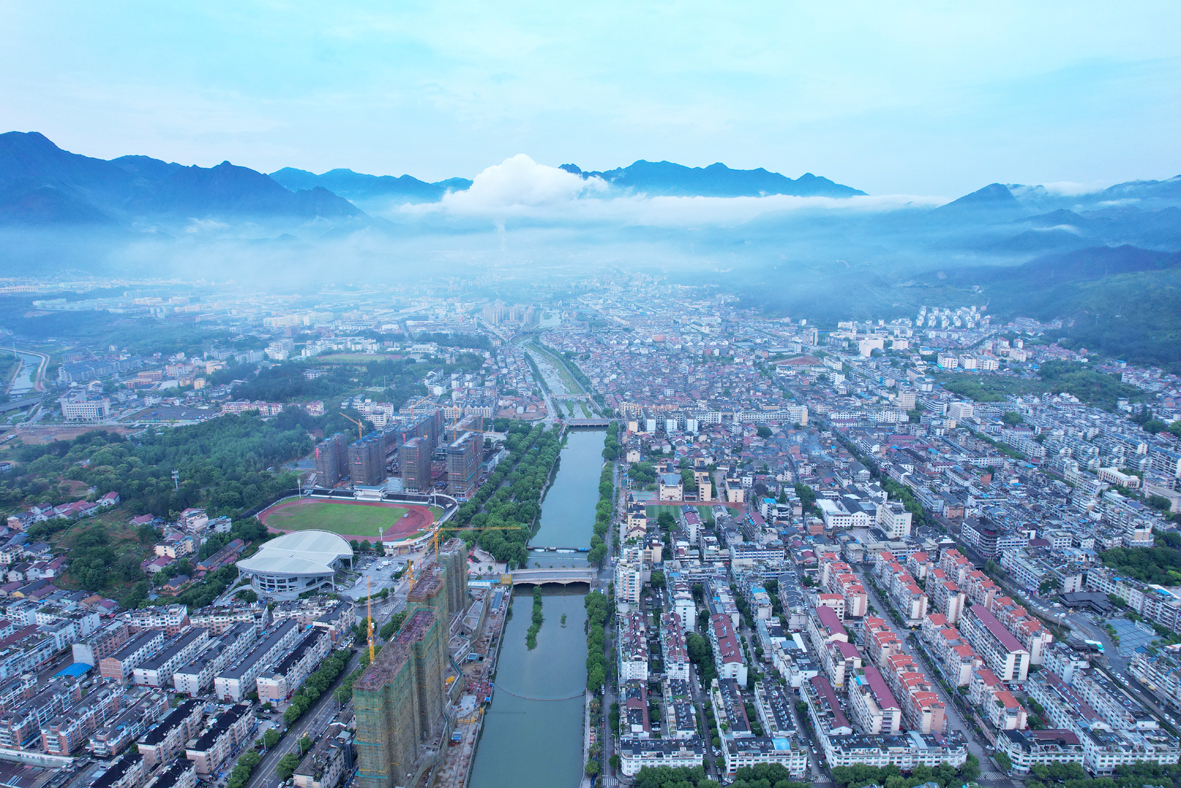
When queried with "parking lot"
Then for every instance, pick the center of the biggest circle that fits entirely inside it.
(1131, 636)
(375, 575)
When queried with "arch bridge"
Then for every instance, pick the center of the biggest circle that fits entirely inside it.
(548, 576)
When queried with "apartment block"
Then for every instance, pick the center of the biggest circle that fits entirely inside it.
(121, 665)
(1001, 651)
(127, 772)
(222, 735)
(728, 656)
(157, 671)
(279, 682)
(195, 677)
(672, 645)
(167, 739)
(995, 702)
(234, 684)
(68, 731)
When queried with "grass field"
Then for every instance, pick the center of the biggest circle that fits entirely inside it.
(654, 511)
(348, 519)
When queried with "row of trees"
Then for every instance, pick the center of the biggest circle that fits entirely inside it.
(240, 775)
(511, 498)
(597, 612)
(604, 508)
(290, 762)
(1072, 775)
(891, 776)
(315, 685)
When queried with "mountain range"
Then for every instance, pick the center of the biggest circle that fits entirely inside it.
(42, 184)
(664, 178)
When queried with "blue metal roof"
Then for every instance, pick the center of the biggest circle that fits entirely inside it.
(77, 669)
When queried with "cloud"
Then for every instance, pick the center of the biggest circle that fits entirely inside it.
(520, 188)
(520, 182)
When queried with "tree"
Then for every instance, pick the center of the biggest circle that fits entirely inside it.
(1160, 503)
(1003, 761)
(658, 579)
(970, 771)
(1047, 585)
(592, 768)
(287, 766)
(764, 432)
(1012, 418)
(270, 738)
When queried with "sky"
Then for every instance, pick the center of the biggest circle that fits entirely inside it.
(916, 98)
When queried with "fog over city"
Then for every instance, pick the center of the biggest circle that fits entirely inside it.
(610, 395)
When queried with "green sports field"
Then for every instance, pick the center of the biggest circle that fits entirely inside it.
(349, 519)
(654, 510)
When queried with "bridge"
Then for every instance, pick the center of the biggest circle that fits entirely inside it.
(587, 423)
(564, 577)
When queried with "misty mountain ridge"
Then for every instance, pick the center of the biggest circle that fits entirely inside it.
(42, 184)
(360, 188)
(664, 178)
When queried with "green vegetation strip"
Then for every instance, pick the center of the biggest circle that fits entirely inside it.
(535, 627)
(603, 511)
(243, 769)
(597, 612)
(510, 501)
(315, 686)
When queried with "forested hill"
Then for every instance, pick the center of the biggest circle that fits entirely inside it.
(222, 462)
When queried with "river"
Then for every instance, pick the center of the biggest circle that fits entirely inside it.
(528, 742)
(23, 382)
(568, 511)
(537, 743)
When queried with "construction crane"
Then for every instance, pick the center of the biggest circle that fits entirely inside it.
(369, 615)
(435, 537)
(435, 541)
(358, 422)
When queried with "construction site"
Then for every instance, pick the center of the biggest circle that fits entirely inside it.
(419, 705)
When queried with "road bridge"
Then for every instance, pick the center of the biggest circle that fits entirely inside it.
(587, 423)
(547, 576)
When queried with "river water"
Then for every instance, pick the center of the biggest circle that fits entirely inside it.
(22, 383)
(568, 511)
(537, 743)
(533, 733)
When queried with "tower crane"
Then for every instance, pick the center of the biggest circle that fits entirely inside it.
(359, 423)
(435, 536)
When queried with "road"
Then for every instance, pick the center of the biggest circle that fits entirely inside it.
(313, 723)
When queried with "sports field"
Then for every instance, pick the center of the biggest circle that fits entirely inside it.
(349, 518)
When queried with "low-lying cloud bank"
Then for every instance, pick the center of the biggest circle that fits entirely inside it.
(523, 188)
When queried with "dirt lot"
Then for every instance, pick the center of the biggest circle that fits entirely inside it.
(38, 435)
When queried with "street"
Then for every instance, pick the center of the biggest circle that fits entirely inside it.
(313, 722)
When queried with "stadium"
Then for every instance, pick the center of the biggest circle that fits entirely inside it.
(296, 563)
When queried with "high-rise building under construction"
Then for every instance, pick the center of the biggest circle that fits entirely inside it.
(332, 460)
(414, 458)
(367, 459)
(400, 699)
(463, 465)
